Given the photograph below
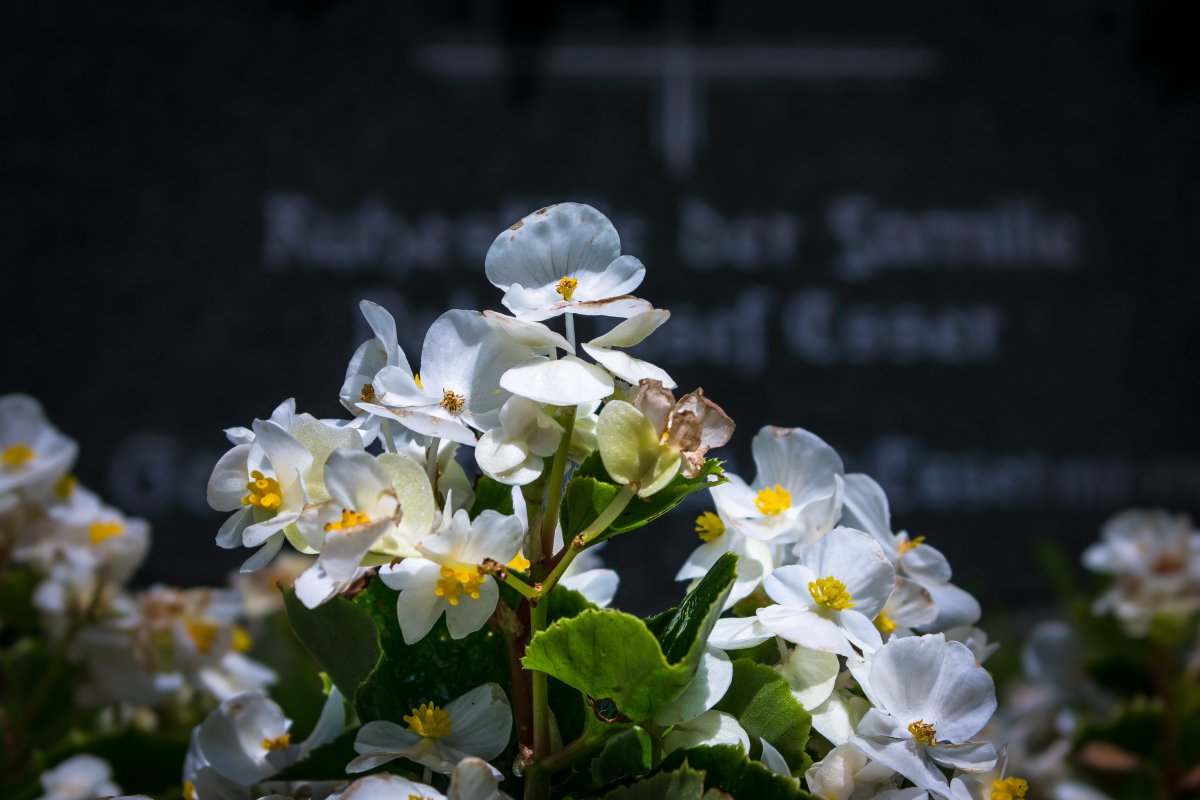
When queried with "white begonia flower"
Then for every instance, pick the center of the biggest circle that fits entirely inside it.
(796, 495)
(710, 728)
(629, 333)
(992, 784)
(371, 497)
(1154, 558)
(976, 640)
(268, 477)
(565, 258)
(479, 724)
(543, 378)
(739, 633)
(908, 607)
(462, 359)
(33, 454)
(865, 508)
(845, 773)
(446, 577)
(817, 683)
(514, 453)
(370, 357)
(828, 600)
(472, 779)
(80, 777)
(930, 699)
(718, 536)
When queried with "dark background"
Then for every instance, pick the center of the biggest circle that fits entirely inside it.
(958, 241)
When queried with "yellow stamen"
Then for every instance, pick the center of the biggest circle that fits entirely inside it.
(264, 492)
(923, 732)
(709, 526)
(911, 544)
(830, 593)
(189, 790)
(457, 582)
(1009, 789)
(773, 500)
(64, 487)
(566, 287)
(429, 722)
(103, 531)
(241, 639)
(278, 743)
(204, 635)
(15, 455)
(350, 519)
(452, 401)
(368, 393)
(417, 380)
(519, 562)
(884, 623)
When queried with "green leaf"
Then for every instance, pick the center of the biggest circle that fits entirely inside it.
(680, 784)
(625, 755)
(728, 769)
(340, 636)
(761, 700)
(608, 654)
(17, 614)
(491, 494)
(591, 489)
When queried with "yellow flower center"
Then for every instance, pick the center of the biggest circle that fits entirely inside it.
(264, 492)
(519, 562)
(773, 500)
(884, 623)
(103, 531)
(16, 455)
(204, 635)
(429, 722)
(241, 639)
(709, 526)
(367, 395)
(923, 732)
(566, 287)
(830, 593)
(350, 519)
(189, 790)
(911, 544)
(452, 401)
(457, 582)
(1009, 789)
(278, 743)
(64, 487)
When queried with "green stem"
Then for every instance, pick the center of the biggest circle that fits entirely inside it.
(581, 748)
(554, 482)
(577, 545)
(537, 782)
(525, 590)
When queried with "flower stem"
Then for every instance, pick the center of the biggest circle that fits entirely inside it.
(526, 591)
(537, 782)
(554, 482)
(580, 542)
(569, 321)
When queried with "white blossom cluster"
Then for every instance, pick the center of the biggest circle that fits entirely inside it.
(874, 639)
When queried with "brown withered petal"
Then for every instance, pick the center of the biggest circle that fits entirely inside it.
(655, 402)
(716, 427)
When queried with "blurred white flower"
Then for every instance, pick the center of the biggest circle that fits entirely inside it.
(80, 777)
(33, 454)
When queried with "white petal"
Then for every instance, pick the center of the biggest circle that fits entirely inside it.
(811, 675)
(597, 585)
(627, 368)
(710, 728)
(907, 757)
(562, 382)
(227, 485)
(465, 354)
(803, 626)
(563, 240)
(857, 560)
(530, 334)
(705, 690)
(837, 717)
(738, 633)
(481, 722)
(471, 613)
(773, 759)
(264, 555)
(633, 330)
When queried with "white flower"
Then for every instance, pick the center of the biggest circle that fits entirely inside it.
(816, 682)
(462, 359)
(865, 508)
(80, 777)
(364, 513)
(846, 773)
(477, 724)
(472, 779)
(828, 600)
(1155, 559)
(992, 784)
(718, 536)
(930, 699)
(514, 452)
(564, 258)
(710, 728)
(270, 474)
(544, 378)
(629, 333)
(446, 578)
(370, 357)
(796, 495)
(33, 454)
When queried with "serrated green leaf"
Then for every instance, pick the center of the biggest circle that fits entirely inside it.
(680, 784)
(761, 700)
(491, 494)
(594, 489)
(728, 769)
(625, 755)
